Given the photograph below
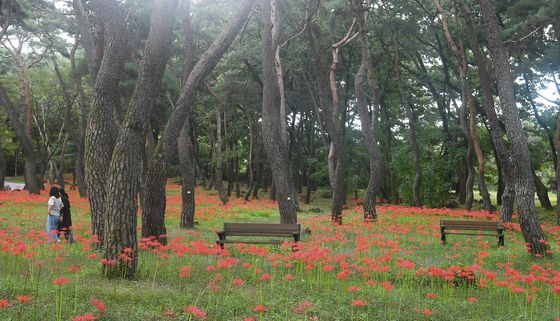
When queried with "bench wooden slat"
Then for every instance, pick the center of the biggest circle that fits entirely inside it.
(483, 226)
(254, 242)
(258, 233)
(456, 233)
(258, 230)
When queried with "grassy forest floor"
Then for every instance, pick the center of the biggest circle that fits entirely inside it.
(394, 269)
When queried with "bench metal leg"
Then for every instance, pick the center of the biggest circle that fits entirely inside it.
(296, 240)
(222, 237)
(443, 239)
(501, 239)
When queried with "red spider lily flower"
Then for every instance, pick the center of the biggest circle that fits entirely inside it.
(304, 305)
(185, 272)
(74, 268)
(124, 257)
(427, 312)
(260, 308)
(92, 256)
(517, 289)
(24, 299)
(4, 304)
(249, 319)
(289, 277)
(328, 268)
(85, 317)
(387, 286)
(237, 282)
(168, 314)
(61, 281)
(353, 289)
(556, 289)
(473, 299)
(197, 313)
(266, 277)
(247, 265)
(342, 275)
(406, 264)
(371, 282)
(359, 303)
(210, 268)
(99, 305)
(431, 295)
(108, 262)
(227, 263)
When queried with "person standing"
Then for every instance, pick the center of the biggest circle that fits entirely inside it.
(65, 223)
(55, 205)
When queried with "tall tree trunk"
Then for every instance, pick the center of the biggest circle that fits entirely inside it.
(272, 128)
(250, 156)
(524, 186)
(370, 124)
(542, 192)
(31, 174)
(469, 181)
(187, 157)
(218, 158)
(123, 183)
(458, 51)
(412, 127)
(186, 140)
(153, 215)
(87, 39)
(236, 177)
(2, 167)
(482, 188)
(558, 170)
(101, 131)
(310, 168)
(386, 141)
(32, 179)
(328, 116)
(80, 178)
(486, 85)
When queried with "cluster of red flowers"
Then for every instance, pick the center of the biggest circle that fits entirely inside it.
(356, 256)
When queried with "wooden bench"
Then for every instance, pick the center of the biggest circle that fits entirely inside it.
(258, 230)
(487, 228)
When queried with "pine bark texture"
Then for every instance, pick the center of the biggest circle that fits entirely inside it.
(276, 151)
(101, 132)
(153, 214)
(123, 180)
(524, 186)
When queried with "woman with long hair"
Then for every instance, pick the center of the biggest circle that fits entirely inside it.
(65, 224)
(54, 205)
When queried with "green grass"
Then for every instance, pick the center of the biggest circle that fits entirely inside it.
(390, 291)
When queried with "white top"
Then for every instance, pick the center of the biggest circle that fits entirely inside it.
(56, 204)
